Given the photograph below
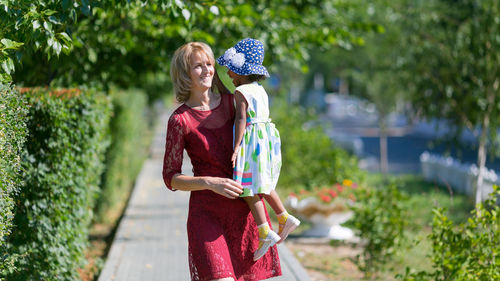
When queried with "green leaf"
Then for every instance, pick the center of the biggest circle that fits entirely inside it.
(54, 20)
(65, 36)
(186, 14)
(50, 41)
(47, 25)
(57, 47)
(36, 24)
(49, 12)
(9, 44)
(8, 65)
(66, 50)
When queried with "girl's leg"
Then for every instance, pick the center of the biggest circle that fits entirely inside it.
(257, 208)
(275, 202)
(287, 222)
(267, 237)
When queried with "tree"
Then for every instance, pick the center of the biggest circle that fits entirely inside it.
(372, 68)
(455, 65)
(376, 73)
(123, 42)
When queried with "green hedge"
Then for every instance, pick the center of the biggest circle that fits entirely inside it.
(310, 158)
(131, 135)
(13, 110)
(63, 162)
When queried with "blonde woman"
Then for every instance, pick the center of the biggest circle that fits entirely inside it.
(222, 233)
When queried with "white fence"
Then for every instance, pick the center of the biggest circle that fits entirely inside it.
(460, 177)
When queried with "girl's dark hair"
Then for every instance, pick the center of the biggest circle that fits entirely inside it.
(256, 77)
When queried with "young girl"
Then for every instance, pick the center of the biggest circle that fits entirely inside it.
(257, 156)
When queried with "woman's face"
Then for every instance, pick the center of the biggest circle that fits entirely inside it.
(201, 71)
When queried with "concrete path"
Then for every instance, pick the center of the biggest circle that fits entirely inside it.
(151, 239)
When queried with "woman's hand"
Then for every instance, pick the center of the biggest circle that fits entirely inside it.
(235, 155)
(225, 187)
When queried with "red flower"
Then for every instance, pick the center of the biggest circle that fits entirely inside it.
(325, 198)
(292, 194)
(340, 188)
(332, 193)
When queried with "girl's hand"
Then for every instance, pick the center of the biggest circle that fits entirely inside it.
(225, 187)
(235, 155)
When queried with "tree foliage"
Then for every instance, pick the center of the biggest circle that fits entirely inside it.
(372, 69)
(455, 65)
(124, 41)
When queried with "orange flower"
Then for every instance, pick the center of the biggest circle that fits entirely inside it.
(352, 197)
(347, 183)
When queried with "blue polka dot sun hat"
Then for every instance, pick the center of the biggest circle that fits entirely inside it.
(245, 58)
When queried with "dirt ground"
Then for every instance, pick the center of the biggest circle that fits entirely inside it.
(323, 261)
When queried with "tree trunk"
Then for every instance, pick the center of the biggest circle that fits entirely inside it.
(481, 158)
(384, 163)
(483, 139)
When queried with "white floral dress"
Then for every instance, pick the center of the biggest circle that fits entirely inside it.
(258, 164)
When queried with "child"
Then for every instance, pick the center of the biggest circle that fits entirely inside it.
(257, 156)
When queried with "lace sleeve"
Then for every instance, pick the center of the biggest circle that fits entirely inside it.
(174, 148)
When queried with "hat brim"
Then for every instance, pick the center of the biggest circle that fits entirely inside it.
(246, 69)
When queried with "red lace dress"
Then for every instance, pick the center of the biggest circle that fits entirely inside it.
(222, 233)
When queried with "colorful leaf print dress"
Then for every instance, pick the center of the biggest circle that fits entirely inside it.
(259, 160)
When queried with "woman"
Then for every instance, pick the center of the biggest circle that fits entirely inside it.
(222, 233)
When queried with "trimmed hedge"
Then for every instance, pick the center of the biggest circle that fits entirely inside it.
(63, 162)
(13, 110)
(131, 135)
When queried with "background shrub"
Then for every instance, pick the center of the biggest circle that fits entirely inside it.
(130, 136)
(63, 162)
(13, 110)
(469, 251)
(309, 156)
(379, 220)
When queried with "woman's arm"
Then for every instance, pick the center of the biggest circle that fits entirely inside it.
(172, 167)
(240, 121)
(223, 186)
(220, 86)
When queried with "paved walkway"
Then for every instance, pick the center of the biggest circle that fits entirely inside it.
(151, 239)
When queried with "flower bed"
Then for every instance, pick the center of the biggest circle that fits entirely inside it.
(326, 208)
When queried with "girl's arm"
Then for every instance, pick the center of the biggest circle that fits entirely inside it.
(240, 121)
(223, 186)
(220, 86)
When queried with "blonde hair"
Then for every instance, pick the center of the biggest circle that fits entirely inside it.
(180, 68)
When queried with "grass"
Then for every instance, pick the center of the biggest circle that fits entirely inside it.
(424, 196)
